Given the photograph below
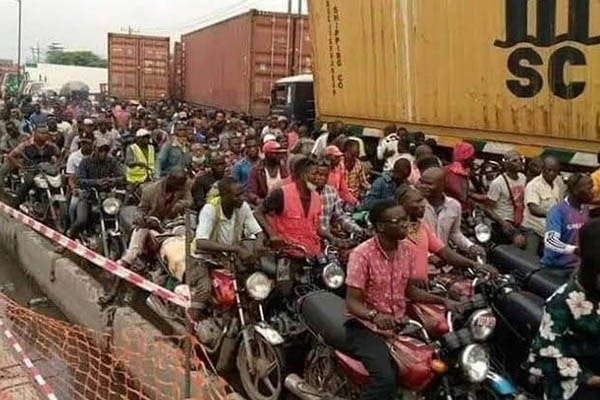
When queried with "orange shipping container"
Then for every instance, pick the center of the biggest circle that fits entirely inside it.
(233, 64)
(516, 71)
(138, 66)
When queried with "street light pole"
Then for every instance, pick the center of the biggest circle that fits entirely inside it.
(19, 45)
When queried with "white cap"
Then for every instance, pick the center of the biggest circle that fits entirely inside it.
(88, 121)
(142, 133)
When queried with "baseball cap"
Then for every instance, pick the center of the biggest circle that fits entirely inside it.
(272, 147)
(282, 118)
(88, 121)
(142, 133)
(333, 151)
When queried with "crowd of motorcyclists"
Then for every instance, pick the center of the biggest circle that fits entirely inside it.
(292, 188)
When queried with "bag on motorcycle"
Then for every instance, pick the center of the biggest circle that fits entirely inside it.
(432, 316)
(413, 359)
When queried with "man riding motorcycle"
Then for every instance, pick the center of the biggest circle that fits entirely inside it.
(224, 221)
(379, 284)
(39, 149)
(443, 213)
(160, 201)
(140, 159)
(424, 240)
(291, 213)
(101, 172)
(332, 211)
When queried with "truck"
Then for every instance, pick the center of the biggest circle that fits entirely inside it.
(503, 74)
(233, 64)
(138, 66)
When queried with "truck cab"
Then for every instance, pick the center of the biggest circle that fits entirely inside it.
(294, 97)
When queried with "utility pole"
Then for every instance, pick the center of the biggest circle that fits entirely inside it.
(19, 45)
(130, 30)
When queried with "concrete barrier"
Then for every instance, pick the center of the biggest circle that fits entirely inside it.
(76, 293)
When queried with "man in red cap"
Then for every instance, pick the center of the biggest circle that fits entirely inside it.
(268, 174)
(458, 174)
(337, 175)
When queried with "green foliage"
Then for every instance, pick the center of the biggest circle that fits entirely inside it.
(81, 58)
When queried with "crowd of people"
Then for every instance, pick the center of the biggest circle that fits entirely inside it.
(280, 182)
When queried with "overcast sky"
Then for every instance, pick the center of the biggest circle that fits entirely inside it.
(84, 24)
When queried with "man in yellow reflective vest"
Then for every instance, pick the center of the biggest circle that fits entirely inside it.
(140, 159)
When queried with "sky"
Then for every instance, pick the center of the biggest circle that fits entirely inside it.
(84, 24)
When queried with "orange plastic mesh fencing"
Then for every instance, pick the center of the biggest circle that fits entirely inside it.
(82, 364)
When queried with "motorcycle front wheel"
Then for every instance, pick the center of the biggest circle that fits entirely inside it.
(265, 380)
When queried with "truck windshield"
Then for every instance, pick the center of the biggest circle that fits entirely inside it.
(279, 95)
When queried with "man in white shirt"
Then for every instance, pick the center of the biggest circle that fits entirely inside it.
(225, 220)
(73, 162)
(541, 194)
(506, 198)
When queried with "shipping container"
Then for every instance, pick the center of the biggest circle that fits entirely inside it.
(511, 71)
(138, 66)
(232, 65)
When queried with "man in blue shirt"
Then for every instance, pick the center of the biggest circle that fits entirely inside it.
(38, 118)
(384, 187)
(564, 220)
(241, 169)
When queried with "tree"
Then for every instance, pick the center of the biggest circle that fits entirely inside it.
(56, 55)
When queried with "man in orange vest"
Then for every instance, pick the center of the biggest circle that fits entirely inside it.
(290, 214)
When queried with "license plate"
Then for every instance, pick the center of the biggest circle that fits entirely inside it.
(486, 322)
(283, 270)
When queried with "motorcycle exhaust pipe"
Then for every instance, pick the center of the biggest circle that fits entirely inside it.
(301, 389)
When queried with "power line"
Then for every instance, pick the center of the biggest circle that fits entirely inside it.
(215, 15)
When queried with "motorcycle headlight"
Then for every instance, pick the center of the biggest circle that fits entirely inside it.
(475, 363)
(111, 206)
(40, 182)
(482, 324)
(333, 276)
(483, 233)
(55, 181)
(258, 286)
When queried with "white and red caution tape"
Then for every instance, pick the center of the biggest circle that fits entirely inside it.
(98, 260)
(39, 380)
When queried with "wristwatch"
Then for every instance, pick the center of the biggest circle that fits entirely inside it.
(371, 315)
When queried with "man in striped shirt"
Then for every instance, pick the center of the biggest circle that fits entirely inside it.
(564, 220)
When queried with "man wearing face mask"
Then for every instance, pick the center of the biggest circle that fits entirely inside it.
(99, 171)
(294, 210)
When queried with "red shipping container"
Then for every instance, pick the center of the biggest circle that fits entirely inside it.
(233, 64)
(138, 66)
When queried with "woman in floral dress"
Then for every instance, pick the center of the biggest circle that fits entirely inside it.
(566, 350)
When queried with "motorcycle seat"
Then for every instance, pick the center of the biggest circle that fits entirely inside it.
(325, 314)
(523, 310)
(513, 260)
(547, 280)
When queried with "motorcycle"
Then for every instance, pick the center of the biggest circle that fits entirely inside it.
(296, 274)
(453, 366)
(104, 233)
(46, 201)
(234, 327)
